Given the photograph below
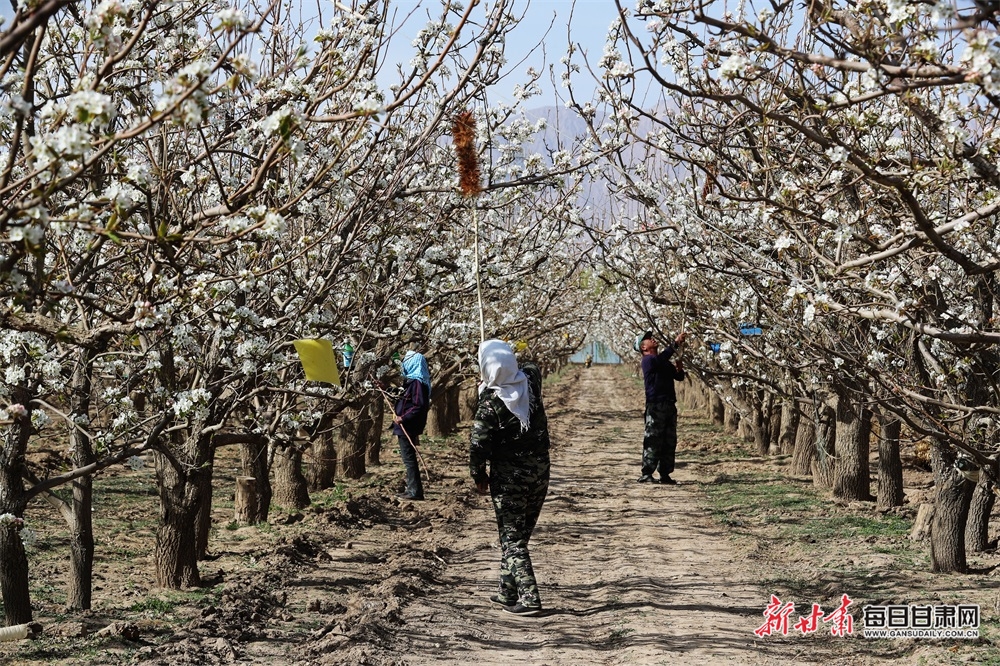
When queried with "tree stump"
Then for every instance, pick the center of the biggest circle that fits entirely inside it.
(922, 525)
(246, 500)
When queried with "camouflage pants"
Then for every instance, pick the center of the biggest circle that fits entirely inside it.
(518, 489)
(659, 442)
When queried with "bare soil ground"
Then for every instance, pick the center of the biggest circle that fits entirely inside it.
(629, 573)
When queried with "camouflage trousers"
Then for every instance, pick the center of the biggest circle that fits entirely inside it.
(518, 489)
(659, 442)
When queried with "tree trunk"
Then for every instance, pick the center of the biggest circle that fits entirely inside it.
(253, 458)
(354, 432)
(184, 478)
(852, 479)
(805, 448)
(951, 512)
(454, 396)
(203, 521)
(732, 419)
(890, 468)
(442, 419)
(702, 392)
(175, 556)
(977, 529)
(13, 561)
(290, 488)
(774, 431)
(824, 441)
(378, 428)
(14, 577)
(81, 524)
(691, 395)
(716, 409)
(321, 472)
(245, 503)
(788, 429)
(468, 399)
(81, 546)
(760, 409)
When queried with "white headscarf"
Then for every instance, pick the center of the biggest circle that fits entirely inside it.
(500, 374)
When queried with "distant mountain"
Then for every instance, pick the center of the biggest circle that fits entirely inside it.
(563, 129)
(563, 126)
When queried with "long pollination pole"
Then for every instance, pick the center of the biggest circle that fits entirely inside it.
(464, 135)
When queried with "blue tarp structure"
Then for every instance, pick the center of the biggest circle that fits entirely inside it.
(600, 351)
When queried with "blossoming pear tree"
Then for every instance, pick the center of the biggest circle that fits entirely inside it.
(189, 187)
(824, 173)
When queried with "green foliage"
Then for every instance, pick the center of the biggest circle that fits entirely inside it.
(154, 605)
(796, 510)
(619, 635)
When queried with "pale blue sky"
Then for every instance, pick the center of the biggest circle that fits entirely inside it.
(544, 20)
(590, 21)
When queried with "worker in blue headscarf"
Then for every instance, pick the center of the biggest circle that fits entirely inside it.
(410, 418)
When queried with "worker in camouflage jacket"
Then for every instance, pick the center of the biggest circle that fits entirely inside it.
(511, 434)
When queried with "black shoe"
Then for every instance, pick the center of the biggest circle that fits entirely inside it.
(666, 480)
(408, 496)
(522, 611)
(645, 478)
(503, 601)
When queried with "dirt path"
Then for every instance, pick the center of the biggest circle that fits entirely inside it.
(629, 573)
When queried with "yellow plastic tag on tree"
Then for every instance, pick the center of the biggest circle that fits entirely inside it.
(318, 360)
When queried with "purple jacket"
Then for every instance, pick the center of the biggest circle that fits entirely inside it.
(412, 406)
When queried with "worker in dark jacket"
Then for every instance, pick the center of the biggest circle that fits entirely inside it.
(659, 443)
(410, 419)
(511, 433)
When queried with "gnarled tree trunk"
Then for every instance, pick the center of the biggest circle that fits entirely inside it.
(290, 487)
(253, 461)
(977, 529)
(732, 419)
(468, 399)
(805, 448)
(443, 417)
(951, 512)
(203, 521)
(788, 429)
(824, 441)
(374, 447)
(774, 426)
(353, 435)
(321, 471)
(890, 467)
(13, 561)
(852, 480)
(14, 576)
(716, 409)
(245, 501)
(81, 524)
(176, 552)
